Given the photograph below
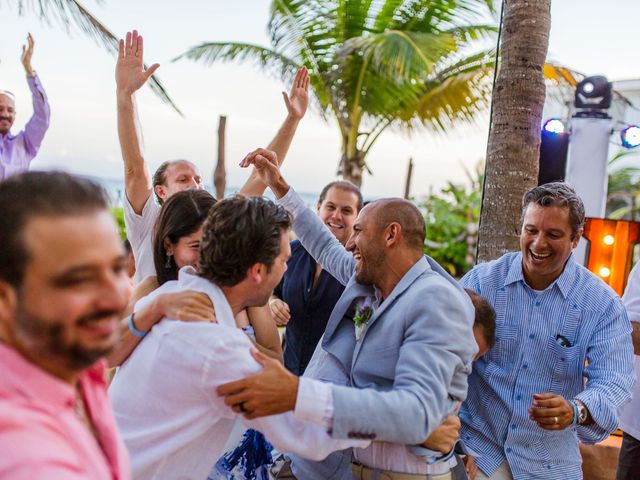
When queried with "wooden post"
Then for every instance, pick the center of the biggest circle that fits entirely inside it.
(220, 174)
(407, 184)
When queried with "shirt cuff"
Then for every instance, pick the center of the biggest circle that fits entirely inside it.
(314, 403)
(292, 202)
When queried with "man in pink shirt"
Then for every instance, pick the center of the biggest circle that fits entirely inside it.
(63, 287)
(17, 151)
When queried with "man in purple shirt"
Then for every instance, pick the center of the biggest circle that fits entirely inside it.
(17, 151)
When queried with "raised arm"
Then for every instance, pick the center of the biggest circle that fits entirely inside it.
(38, 124)
(130, 76)
(296, 102)
(311, 231)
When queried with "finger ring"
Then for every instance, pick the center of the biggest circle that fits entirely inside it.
(241, 407)
(555, 420)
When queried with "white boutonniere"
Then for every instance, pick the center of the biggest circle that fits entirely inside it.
(363, 313)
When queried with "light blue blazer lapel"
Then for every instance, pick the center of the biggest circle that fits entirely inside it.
(339, 337)
(419, 268)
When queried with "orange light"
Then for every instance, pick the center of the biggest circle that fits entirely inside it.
(604, 272)
(608, 240)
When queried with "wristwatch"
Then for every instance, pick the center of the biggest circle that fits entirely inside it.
(583, 413)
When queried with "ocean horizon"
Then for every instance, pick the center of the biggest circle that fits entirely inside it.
(115, 189)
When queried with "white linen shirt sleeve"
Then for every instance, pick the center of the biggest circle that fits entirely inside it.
(233, 361)
(631, 296)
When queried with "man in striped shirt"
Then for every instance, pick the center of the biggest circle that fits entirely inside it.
(528, 403)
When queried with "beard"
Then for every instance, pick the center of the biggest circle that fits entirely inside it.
(371, 266)
(49, 340)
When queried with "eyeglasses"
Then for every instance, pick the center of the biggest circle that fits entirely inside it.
(8, 94)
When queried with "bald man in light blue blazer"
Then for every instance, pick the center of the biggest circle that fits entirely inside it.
(400, 372)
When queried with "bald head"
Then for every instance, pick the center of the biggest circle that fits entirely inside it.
(402, 212)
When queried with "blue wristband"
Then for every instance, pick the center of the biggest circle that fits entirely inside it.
(133, 329)
(576, 413)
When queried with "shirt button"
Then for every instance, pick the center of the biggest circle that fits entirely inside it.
(524, 367)
(509, 450)
(531, 335)
(519, 397)
(562, 359)
(513, 426)
(537, 304)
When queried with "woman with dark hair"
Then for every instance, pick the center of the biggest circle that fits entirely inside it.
(176, 241)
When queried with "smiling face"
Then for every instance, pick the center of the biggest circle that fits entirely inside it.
(367, 246)
(338, 211)
(66, 312)
(546, 243)
(7, 113)
(185, 250)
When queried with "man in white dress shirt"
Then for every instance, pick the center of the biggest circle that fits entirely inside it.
(164, 395)
(629, 460)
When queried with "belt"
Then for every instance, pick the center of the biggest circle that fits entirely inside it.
(360, 472)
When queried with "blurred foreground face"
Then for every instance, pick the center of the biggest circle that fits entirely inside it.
(74, 290)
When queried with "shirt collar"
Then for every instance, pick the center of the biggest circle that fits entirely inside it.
(30, 381)
(564, 281)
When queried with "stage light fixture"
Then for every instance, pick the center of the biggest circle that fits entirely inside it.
(630, 136)
(608, 240)
(554, 125)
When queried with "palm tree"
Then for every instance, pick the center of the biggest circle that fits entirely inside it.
(68, 12)
(376, 65)
(513, 150)
(623, 191)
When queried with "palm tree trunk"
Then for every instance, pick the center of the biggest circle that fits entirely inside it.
(514, 140)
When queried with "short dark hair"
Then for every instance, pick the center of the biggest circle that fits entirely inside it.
(39, 194)
(160, 176)
(181, 215)
(342, 185)
(240, 232)
(485, 317)
(557, 194)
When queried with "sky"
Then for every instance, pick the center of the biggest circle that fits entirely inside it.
(591, 36)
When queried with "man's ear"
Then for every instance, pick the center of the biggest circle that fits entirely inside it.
(576, 238)
(161, 192)
(256, 273)
(392, 234)
(8, 302)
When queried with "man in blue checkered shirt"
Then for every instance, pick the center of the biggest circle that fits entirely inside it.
(562, 366)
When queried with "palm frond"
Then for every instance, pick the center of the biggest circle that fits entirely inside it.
(210, 52)
(68, 12)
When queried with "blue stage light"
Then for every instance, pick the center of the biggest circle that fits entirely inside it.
(554, 125)
(630, 136)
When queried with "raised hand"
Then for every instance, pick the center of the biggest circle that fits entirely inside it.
(27, 53)
(130, 71)
(298, 100)
(266, 164)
